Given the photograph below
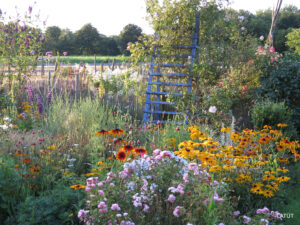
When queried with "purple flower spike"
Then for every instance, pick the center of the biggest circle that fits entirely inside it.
(49, 95)
(30, 9)
(39, 103)
(30, 94)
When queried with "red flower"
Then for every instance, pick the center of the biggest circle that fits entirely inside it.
(116, 132)
(121, 156)
(101, 132)
(127, 148)
(140, 151)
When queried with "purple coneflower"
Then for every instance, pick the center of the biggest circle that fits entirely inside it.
(65, 53)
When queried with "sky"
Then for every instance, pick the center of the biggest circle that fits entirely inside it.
(108, 16)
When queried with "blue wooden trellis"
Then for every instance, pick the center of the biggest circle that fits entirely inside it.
(153, 108)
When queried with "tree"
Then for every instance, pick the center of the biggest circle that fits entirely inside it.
(130, 33)
(87, 40)
(52, 39)
(293, 40)
(110, 46)
(67, 42)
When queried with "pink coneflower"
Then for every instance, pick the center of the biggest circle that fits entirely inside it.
(65, 53)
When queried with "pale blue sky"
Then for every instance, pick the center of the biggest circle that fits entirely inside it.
(108, 16)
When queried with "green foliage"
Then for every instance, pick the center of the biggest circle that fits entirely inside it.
(130, 33)
(10, 192)
(271, 113)
(87, 39)
(280, 82)
(293, 40)
(53, 207)
(51, 36)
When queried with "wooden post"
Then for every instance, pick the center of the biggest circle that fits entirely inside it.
(113, 65)
(95, 63)
(43, 68)
(49, 79)
(76, 86)
(55, 66)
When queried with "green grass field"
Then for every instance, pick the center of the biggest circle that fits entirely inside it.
(90, 59)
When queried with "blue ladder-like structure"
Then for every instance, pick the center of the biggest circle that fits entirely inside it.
(153, 107)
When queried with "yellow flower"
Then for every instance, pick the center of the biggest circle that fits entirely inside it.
(258, 184)
(227, 179)
(172, 142)
(268, 193)
(234, 136)
(269, 177)
(243, 178)
(227, 167)
(193, 128)
(71, 214)
(283, 179)
(215, 169)
(267, 127)
(77, 186)
(90, 174)
(284, 170)
(273, 187)
(226, 130)
(282, 125)
(280, 148)
(52, 147)
(256, 190)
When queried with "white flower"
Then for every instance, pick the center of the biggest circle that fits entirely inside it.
(261, 37)
(243, 28)
(212, 109)
(4, 126)
(7, 118)
(241, 18)
(75, 145)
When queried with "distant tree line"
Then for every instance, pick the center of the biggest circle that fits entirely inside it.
(88, 41)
